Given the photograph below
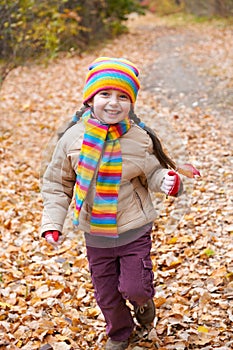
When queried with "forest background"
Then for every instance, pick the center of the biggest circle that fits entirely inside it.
(30, 29)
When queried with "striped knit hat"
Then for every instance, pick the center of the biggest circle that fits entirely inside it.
(111, 73)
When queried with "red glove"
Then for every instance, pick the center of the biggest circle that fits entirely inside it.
(171, 183)
(176, 185)
(53, 237)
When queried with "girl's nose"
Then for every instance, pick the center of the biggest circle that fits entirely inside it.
(113, 99)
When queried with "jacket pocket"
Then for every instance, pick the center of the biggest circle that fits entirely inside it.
(85, 213)
(139, 201)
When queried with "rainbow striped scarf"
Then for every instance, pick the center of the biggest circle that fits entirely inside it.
(100, 147)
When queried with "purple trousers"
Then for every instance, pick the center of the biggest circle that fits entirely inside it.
(119, 274)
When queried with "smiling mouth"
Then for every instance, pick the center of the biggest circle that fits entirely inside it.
(112, 112)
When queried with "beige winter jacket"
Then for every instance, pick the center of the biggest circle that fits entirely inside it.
(140, 168)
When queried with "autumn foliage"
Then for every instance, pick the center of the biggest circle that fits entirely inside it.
(46, 296)
(30, 28)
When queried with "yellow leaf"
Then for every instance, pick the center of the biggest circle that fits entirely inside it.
(172, 240)
(5, 305)
(229, 275)
(176, 263)
(19, 344)
(203, 329)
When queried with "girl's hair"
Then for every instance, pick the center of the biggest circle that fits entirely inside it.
(76, 118)
(160, 154)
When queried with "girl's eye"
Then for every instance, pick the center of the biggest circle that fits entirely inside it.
(104, 93)
(124, 97)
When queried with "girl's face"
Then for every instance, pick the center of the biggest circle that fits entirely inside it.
(111, 106)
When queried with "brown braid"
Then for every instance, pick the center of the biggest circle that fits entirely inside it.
(162, 157)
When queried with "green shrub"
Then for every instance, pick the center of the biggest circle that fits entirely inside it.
(30, 28)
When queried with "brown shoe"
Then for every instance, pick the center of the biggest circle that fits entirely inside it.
(145, 314)
(116, 345)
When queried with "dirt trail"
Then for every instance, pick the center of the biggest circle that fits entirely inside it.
(181, 82)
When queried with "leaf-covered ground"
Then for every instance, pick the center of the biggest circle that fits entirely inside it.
(46, 296)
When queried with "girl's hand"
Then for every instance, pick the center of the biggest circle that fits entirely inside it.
(53, 237)
(171, 183)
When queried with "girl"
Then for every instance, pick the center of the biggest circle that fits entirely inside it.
(108, 159)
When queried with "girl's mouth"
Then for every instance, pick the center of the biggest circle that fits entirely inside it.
(112, 112)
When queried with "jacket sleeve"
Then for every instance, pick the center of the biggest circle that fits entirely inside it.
(57, 189)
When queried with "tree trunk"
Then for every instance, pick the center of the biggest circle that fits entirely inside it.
(209, 7)
(200, 7)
